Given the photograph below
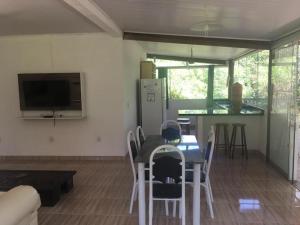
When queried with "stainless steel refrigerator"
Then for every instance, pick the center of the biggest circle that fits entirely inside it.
(152, 108)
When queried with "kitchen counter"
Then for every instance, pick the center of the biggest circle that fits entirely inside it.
(253, 117)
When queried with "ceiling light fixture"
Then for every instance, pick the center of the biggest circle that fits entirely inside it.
(94, 13)
(205, 27)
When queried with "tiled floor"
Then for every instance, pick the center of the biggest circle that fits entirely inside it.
(245, 192)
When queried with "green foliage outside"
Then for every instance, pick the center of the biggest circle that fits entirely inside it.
(188, 83)
(284, 67)
(191, 83)
(252, 72)
(221, 83)
(284, 80)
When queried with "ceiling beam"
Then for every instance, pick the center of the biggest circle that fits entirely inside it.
(94, 13)
(245, 53)
(188, 59)
(223, 42)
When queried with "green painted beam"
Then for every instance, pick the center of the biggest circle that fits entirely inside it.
(210, 86)
(230, 77)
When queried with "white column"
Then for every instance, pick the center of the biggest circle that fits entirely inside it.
(196, 194)
(141, 190)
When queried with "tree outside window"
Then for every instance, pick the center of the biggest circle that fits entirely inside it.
(252, 72)
(221, 82)
(187, 83)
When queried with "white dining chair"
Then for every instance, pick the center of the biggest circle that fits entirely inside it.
(170, 129)
(133, 151)
(140, 136)
(163, 168)
(205, 179)
(206, 170)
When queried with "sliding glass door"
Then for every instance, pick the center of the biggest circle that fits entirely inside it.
(283, 107)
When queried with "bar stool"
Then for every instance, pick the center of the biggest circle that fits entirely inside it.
(243, 144)
(185, 124)
(224, 145)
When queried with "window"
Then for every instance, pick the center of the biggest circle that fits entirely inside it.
(252, 72)
(188, 83)
(221, 82)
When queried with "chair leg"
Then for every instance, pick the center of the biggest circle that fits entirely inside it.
(167, 207)
(174, 208)
(182, 212)
(136, 192)
(209, 202)
(150, 211)
(180, 209)
(210, 190)
(133, 193)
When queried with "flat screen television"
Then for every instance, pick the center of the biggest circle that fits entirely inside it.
(50, 91)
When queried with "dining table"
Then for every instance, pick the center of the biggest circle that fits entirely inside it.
(194, 155)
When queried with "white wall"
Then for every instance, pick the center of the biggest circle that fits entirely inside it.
(100, 57)
(133, 54)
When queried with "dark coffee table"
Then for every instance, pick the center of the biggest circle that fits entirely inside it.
(49, 184)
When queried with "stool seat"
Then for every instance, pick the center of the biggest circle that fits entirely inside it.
(183, 119)
(185, 124)
(243, 144)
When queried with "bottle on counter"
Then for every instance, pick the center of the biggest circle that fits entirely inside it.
(236, 97)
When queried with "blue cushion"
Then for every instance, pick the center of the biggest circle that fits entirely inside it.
(207, 152)
(167, 190)
(189, 177)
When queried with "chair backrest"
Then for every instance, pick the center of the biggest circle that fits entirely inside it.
(209, 150)
(170, 130)
(140, 136)
(167, 164)
(133, 151)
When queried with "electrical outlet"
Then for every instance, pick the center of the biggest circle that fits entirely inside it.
(51, 139)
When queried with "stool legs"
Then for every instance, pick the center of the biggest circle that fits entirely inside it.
(217, 136)
(232, 142)
(226, 137)
(188, 130)
(243, 144)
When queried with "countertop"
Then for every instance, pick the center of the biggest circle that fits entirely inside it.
(222, 109)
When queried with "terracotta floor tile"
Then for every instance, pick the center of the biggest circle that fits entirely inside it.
(245, 193)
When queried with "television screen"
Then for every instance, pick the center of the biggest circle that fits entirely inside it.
(47, 94)
(50, 91)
